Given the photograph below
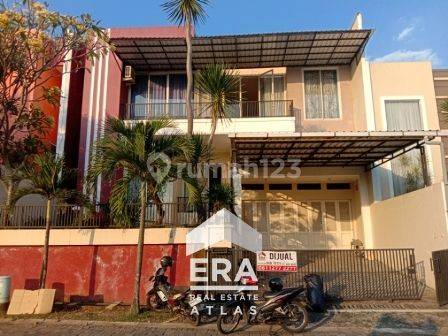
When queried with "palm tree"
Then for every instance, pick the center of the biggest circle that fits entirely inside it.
(444, 106)
(221, 87)
(221, 196)
(48, 177)
(197, 152)
(187, 13)
(202, 197)
(143, 155)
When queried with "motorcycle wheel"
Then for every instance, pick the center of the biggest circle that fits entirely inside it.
(153, 301)
(195, 319)
(229, 322)
(297, 319)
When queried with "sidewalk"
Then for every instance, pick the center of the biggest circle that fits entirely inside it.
(349, 324)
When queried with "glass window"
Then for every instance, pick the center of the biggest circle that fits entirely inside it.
(321, 94)
(139, 98)
(407, 172)
(272, 95)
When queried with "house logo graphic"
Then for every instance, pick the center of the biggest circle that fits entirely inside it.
(223, 229)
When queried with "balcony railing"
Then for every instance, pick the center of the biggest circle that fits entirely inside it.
(176, 110)
(71, 216)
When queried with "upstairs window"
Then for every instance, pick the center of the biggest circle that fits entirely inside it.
(407, 170)
(321, 94)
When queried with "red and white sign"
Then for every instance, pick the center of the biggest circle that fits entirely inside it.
(277, 261)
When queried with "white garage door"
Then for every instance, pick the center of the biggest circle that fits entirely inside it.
(313, 224)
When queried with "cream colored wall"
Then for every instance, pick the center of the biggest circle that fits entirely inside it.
(348, 120)
(408, 80)
(69, 237)
(358, 99)
(414, 220)
(404, 79)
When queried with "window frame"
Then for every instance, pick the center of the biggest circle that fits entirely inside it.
(320, 69)
(424, 120)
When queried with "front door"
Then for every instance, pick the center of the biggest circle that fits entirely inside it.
(440, 269)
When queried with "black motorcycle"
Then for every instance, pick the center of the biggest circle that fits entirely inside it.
(284, 306)
(160, 295)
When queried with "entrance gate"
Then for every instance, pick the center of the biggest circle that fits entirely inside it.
(374, 274)
(439, 265)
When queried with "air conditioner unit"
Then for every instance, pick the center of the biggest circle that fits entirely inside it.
(129, 75)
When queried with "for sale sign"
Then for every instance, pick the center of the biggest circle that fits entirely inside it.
(277, 261)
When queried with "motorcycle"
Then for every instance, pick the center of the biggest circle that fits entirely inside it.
(161, 295)
(286, 306)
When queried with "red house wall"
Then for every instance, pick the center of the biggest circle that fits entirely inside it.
(91, 273)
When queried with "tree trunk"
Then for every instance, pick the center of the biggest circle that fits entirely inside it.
(7, 208)
(135, 307)
(212, 133)
(189, 67)
(43, 270)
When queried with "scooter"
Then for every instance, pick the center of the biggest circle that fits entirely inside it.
(160, 295)
(285, 306)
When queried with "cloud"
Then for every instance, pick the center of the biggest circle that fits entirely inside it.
(410, 56)
(405, 32)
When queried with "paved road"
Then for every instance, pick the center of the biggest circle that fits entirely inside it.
(373, 324)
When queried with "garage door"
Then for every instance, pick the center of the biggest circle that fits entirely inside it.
(311, 224)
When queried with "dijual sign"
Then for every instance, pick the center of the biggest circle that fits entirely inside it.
(277, 261)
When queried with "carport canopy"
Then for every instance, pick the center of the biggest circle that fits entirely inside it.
(327, 149)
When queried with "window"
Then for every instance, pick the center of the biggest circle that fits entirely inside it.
(280, 186)
(272, 95)
(321, 94)
(308, 186)
(338, 186)
(165, 95)
(407, 172)
(254, 186)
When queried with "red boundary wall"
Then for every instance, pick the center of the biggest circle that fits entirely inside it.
(91, 273)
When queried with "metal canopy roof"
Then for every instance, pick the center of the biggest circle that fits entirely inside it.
(338, 47)
(327, 149)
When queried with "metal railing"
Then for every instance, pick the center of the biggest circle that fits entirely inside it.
(377, 274)
(177, 110)
(71, 216)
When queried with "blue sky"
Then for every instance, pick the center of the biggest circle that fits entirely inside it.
(404, 29)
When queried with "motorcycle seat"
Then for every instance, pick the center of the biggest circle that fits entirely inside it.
(270, 294)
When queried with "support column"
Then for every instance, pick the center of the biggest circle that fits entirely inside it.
(426, 178)
(365, 202)
(235, 178)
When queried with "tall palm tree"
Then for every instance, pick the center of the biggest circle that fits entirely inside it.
(197, 152)
(143, 155)
(221, 87)
(187, 13)
(48, 177)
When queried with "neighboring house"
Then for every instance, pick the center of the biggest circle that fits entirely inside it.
(308, 96)
(441, 88)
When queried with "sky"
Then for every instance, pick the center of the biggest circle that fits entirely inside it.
(404, 30)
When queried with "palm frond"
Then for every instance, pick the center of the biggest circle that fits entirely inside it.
(221, 87)
(444, 106)
(221, 196)
(186, 11)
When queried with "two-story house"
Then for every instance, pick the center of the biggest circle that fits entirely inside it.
(359, 140)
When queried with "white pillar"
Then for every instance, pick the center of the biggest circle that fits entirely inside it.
(236, 183)
(365, 202)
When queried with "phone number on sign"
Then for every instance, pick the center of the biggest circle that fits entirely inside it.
(272, 268)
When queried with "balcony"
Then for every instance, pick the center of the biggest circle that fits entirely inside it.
(175, 110)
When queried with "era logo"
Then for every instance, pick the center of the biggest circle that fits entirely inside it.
(221, 267)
